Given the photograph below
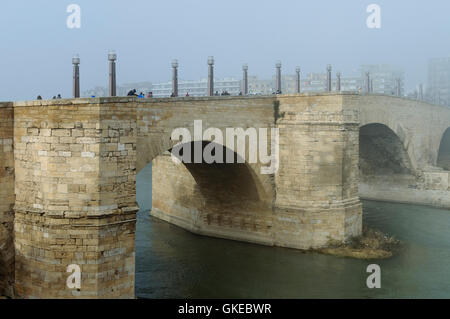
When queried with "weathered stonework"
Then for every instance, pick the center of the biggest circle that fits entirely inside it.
(311, 199)
(420, 129)
(6, 200)
(419, 125)
(317, 184)
(68, 170)
(75, 197)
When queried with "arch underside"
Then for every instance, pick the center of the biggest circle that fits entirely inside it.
(383, 157)
(152, 146)
(221, 199)
(443, 158)
(389, 172)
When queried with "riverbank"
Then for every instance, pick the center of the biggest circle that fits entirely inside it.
(403, 193)
(372, 244)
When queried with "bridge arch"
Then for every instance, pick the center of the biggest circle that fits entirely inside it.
(382, 152)
(394, 126)
(153, 146)
(202, 197)
(443, 156)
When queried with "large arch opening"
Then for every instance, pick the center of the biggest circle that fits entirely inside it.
(226, 197)
(217, 188)
(443, 159)
(383, 157)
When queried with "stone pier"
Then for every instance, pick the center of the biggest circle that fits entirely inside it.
(75, 198)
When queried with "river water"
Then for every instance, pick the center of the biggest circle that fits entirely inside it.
(173, 263)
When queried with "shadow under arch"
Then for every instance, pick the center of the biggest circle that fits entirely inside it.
(193, 195)
(382, 153)
(148, 149)
(219, 181)
(443, 158)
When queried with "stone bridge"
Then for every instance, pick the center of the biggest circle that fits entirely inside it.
(68, 177)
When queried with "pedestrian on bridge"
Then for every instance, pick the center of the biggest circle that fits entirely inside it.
(132, 93)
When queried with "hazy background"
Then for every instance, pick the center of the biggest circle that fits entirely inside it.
(37, 47)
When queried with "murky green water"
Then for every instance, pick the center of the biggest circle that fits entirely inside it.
(173, 263)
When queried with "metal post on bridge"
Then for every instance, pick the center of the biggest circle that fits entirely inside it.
(245, 79)
(329, 78)
(210, 76)
(399, 89)
(297, 79)
(420, 92)
(112, 56)
(76, 76)
(278, 78)
(368, 82)
(338, 81)
(175, 78)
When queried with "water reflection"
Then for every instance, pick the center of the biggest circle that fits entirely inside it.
(173, 263)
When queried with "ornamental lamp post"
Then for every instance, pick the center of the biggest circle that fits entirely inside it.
(278, 77)
(329, 78)
(297, 79)
(76, 76)
(245, 79)
(112, 56)
(338, 81)
(175, 78)
(210, 76)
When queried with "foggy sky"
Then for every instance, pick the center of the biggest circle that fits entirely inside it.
(37, 47)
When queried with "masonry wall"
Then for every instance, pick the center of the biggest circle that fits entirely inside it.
(317, 183)
(214, 200)
(75, 164)
(312, 199)
(157, 118)
(419, 125)
(6, 200)
(203, 199)
(420, 128)
(75, 197)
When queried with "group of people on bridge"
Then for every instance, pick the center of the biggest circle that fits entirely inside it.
(149, 94)
(56, 97)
